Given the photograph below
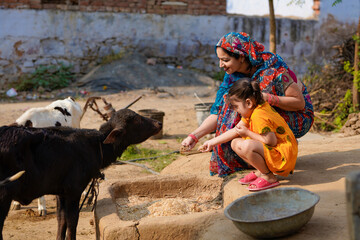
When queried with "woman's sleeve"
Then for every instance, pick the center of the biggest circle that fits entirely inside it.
(218, 101)
(288, 78)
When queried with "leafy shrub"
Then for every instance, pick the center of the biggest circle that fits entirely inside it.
(48, 77)
(112, 57)
(343, 110)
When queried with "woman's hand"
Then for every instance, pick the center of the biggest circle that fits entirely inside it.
(188, 143)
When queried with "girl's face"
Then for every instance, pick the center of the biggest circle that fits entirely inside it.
(244, 108)
(231, 64)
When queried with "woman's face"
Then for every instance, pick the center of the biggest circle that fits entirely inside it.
(231, 64)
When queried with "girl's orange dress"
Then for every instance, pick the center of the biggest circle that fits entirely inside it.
(280, 159)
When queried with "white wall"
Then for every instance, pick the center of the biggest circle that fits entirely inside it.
(282, 8)
(348, 11)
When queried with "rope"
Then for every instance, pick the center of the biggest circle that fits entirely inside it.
(131, 161)
(138, 165)
(94, 189)
(148, 158)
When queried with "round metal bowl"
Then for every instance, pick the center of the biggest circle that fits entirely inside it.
(272, 213)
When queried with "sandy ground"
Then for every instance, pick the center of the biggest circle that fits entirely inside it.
(323, 163)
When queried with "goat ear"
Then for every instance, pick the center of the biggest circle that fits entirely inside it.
(116, 133)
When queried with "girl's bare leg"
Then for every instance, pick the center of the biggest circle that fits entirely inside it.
(252, 152)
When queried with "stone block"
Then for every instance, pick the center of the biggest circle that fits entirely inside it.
(353, 204)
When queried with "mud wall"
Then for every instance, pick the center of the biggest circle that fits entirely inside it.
(30, 38)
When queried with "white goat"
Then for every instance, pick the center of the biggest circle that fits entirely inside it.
(64, 112)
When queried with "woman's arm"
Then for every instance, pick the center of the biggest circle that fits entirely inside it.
(292, 101)
(208, 126)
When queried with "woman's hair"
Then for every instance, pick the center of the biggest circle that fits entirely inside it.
(237, 56)
(246, 88)
(231, 54)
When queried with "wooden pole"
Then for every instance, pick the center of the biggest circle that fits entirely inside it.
(272, 27)
(356, 95)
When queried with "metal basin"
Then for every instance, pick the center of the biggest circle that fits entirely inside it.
(272, 213)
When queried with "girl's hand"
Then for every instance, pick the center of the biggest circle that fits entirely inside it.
(206, 147)
(188, 144)
(241, 130)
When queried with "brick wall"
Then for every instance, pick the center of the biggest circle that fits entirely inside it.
(191, 7)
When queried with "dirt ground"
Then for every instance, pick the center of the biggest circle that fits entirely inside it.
(332, 156)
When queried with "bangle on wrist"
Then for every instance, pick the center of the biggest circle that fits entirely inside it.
(193, 137)
(269, 98)
(273, 100)
(276, 103)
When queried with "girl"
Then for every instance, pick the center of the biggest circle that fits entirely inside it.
(262, 138)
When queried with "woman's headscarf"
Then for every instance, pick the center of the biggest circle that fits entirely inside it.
(242, 44)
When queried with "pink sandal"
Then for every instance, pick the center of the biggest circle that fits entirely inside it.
(249, 178)
(261, 184)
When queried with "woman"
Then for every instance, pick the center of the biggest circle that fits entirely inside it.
(240, 56)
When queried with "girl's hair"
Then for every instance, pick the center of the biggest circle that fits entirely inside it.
(246, 88)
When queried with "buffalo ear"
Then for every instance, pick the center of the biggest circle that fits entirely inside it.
(116, 133)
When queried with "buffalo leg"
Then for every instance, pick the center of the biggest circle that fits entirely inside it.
(4, 209)
(61, 218)
(72, 217)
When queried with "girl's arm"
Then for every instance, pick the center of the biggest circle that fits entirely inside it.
(268, 138)
(225, 137)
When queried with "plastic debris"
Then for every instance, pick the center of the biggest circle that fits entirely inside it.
(170, 67)
(11, 92)
(151, 61)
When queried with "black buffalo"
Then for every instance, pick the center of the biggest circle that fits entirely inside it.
(62, 161)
